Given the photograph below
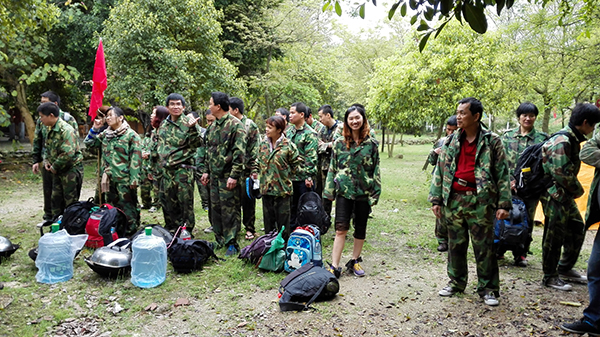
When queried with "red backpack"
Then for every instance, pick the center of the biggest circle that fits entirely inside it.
(104, 226)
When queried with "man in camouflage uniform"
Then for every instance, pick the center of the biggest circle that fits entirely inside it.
(305, 139)
(472, 183)
(328, 134)
(515, 142)
(148, 187)
(178, 140)
(236, 109)
(563, 226)
(590, 323)
(38, 151)
(441, 230)
(62, 158)
(222, 169)
(121, 164)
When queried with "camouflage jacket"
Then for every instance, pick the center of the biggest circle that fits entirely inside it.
(225, 148)
(176, 143)
(590, 154)
(277, 167)
(354, 173)
(121, 156)
(307, 143)
(515, 143)
(326, 138)
(38, 152)
(252, 146)
(560, 160)
(317, 126)
(432, 158)
(62, 147)
(201, 151)
(491, 171)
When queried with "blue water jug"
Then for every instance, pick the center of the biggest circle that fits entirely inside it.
(55, 257)
(148, 260)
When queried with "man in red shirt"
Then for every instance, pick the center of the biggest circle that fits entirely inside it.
(471, 181)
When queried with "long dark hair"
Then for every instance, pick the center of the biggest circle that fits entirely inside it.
(364, 129)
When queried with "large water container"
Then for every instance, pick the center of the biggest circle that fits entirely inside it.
(55, 257)
(148, 260)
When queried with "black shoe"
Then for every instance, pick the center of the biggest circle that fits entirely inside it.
(581, 327)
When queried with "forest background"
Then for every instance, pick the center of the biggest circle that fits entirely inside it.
(272, 53)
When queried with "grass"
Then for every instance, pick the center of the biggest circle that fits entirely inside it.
(401, 234)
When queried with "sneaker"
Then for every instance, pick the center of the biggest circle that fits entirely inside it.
(337, 272)
(152, 209)
(448, 291)
(557, 283)
(354, 266)
(573, 276)
(490, 299)
(208, 230)
(581, 327)
(231, 251)
(521, 261)
(443, 247)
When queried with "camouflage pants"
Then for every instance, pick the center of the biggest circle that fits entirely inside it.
(177, 198)
(276, 214)
(147, 188)
(441, 229)
(248, 210)
(225, 207)
(66, 188)
(203, 191)
(124, 198)
(465, 216)
(563, 228)
(47, 177)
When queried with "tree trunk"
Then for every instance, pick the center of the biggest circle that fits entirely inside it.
(391, 146)
(382, 138)
(21, 103)
(401, 141)
(440, 131)
(547, 111)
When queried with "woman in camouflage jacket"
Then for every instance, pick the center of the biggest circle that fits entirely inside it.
(121, 164)
(353, 179)
(278, 158)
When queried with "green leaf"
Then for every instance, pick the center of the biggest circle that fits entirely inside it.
(338, 8)
(403, 10)
(361, 11)
(457, 11)
(393, 10)
(423, 26)
(445, 6)
(14, 93)
(326, 5)
(509, 3)
(413, 4)
(500, 6)
(374, 2)
(441, 27)
(475, 16)
(423, 41)
(414, 19)
(429, 13)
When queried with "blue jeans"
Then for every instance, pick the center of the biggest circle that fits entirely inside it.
(592, 312)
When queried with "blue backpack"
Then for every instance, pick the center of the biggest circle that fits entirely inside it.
(513, 231)
(303, 246)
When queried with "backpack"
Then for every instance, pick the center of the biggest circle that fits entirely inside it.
(76, 215)
(311, 212)
(531, 180)
(303, 246)
(106, 224)
(189, 255)
(255, 250)
(514, 231)
(306, 285)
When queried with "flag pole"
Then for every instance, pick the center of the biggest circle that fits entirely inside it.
(99, 84)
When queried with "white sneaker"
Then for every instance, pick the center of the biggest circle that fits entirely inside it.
(490, 299)
(557, 283)
(448, 291)
(208, 230)
(152, 209)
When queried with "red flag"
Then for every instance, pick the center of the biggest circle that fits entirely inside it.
(99, 82)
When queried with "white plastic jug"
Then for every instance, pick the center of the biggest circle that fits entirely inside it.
(148, 260)
(55, 256)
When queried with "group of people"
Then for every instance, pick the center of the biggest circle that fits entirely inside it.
(473, 184)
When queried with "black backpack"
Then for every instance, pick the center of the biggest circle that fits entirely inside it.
(311, 212)
(513, 232)
(254, 252)
(531, 181)
(189, 255)
(74, 217)
(304, 286)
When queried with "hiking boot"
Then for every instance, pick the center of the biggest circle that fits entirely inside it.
(448, 291)
(573, 276)
(337, 272)
(354, 266)
(490, 299)
(231, 251)
(581, 327)
(521, 261)
(443, 247)
(208, 230)
(152, 209)
(557, 283)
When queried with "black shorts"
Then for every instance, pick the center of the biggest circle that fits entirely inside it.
(347, 209)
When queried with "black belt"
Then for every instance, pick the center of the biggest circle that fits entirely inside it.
(464, 183)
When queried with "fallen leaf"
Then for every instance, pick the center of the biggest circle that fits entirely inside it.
(573, 304)
(243, 324)
(151, 307)
(182, 301)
